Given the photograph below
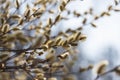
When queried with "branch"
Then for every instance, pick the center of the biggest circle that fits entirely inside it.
(105, 73)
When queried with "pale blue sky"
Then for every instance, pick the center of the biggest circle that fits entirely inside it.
(98, 39)
(107, 32)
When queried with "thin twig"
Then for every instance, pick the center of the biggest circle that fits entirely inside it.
(105, 73)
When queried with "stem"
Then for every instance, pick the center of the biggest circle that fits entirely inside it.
(105, 73)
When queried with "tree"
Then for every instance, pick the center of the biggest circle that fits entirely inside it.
(28, 49)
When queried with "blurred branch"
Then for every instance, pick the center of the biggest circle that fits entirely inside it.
(107, 72)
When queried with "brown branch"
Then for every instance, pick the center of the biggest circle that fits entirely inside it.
(107, 72)
(18, 50)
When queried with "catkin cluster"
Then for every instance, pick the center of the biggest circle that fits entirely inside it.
(28, 49)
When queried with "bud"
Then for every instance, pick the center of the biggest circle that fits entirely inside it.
(100, 67)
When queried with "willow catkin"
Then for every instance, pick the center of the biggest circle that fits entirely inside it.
(52, 78)
(17, 4)
(117, 70)
(100, 67)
